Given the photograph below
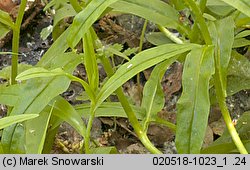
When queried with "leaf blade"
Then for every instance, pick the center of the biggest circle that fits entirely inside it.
(193, 106)
(7, 121)
(138, 63)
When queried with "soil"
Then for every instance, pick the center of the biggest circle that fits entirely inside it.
(124, 29)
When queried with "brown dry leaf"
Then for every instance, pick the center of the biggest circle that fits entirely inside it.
(7, 5)
(159, 134)
(218, 126)
(171, 82)
(215, 114)
(136, 149)
(169, 116)
(133, 91)
(111, 32)
(209, 137)
(107, 121)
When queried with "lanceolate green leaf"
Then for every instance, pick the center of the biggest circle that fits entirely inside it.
(236, 84)
(90, 61)
(7, 121)
(52, 130)
(9, 95)
(65, 11)
(84, 20)
(225, 148)
(241, 5)
(193, 106)
(39, 72)
(160, 13)
(35, 95)
(63, 110)
(241, 42)
(243, 34)
(5, 73)
(108, 109)
(139, 63)
(218, 7)
(153, 97)
(223, 38)
(35, 135)
(239, 65)
(33, 98)
(4, 30)
(6, 19)
(55, 52)
(238, 73)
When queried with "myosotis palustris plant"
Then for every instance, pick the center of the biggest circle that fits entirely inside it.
(206, 58)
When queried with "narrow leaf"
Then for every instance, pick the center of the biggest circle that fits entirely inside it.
(153, 97)
(39, 72)
(5, 73)
(52, 130)
(9, 95)
(35, 135)
(223, 38)
(241, 42)
(225, 148)
(56, 52)
(108, 109)
(63, 110)
(243, 34)
(9, 120)
(33, 98)
(6, 19)
(193, 106)
(65, 11)
(4, 30)
(90, 61)
(218, 7)
(241, 5)
(160, 13)
(139, 63)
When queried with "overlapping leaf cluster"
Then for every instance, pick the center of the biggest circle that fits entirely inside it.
(206, 45)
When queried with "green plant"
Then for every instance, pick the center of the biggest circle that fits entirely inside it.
(205, 47)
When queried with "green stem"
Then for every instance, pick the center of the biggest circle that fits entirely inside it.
(130, 113)
(84, 84)
(15, 42)
(201, 21)
(89, 126)
(75, 4)
(165, 123)
(226, 115)
(143, 35)
(170, 35)
(203, 5)
(139, 50)
(194, 35)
